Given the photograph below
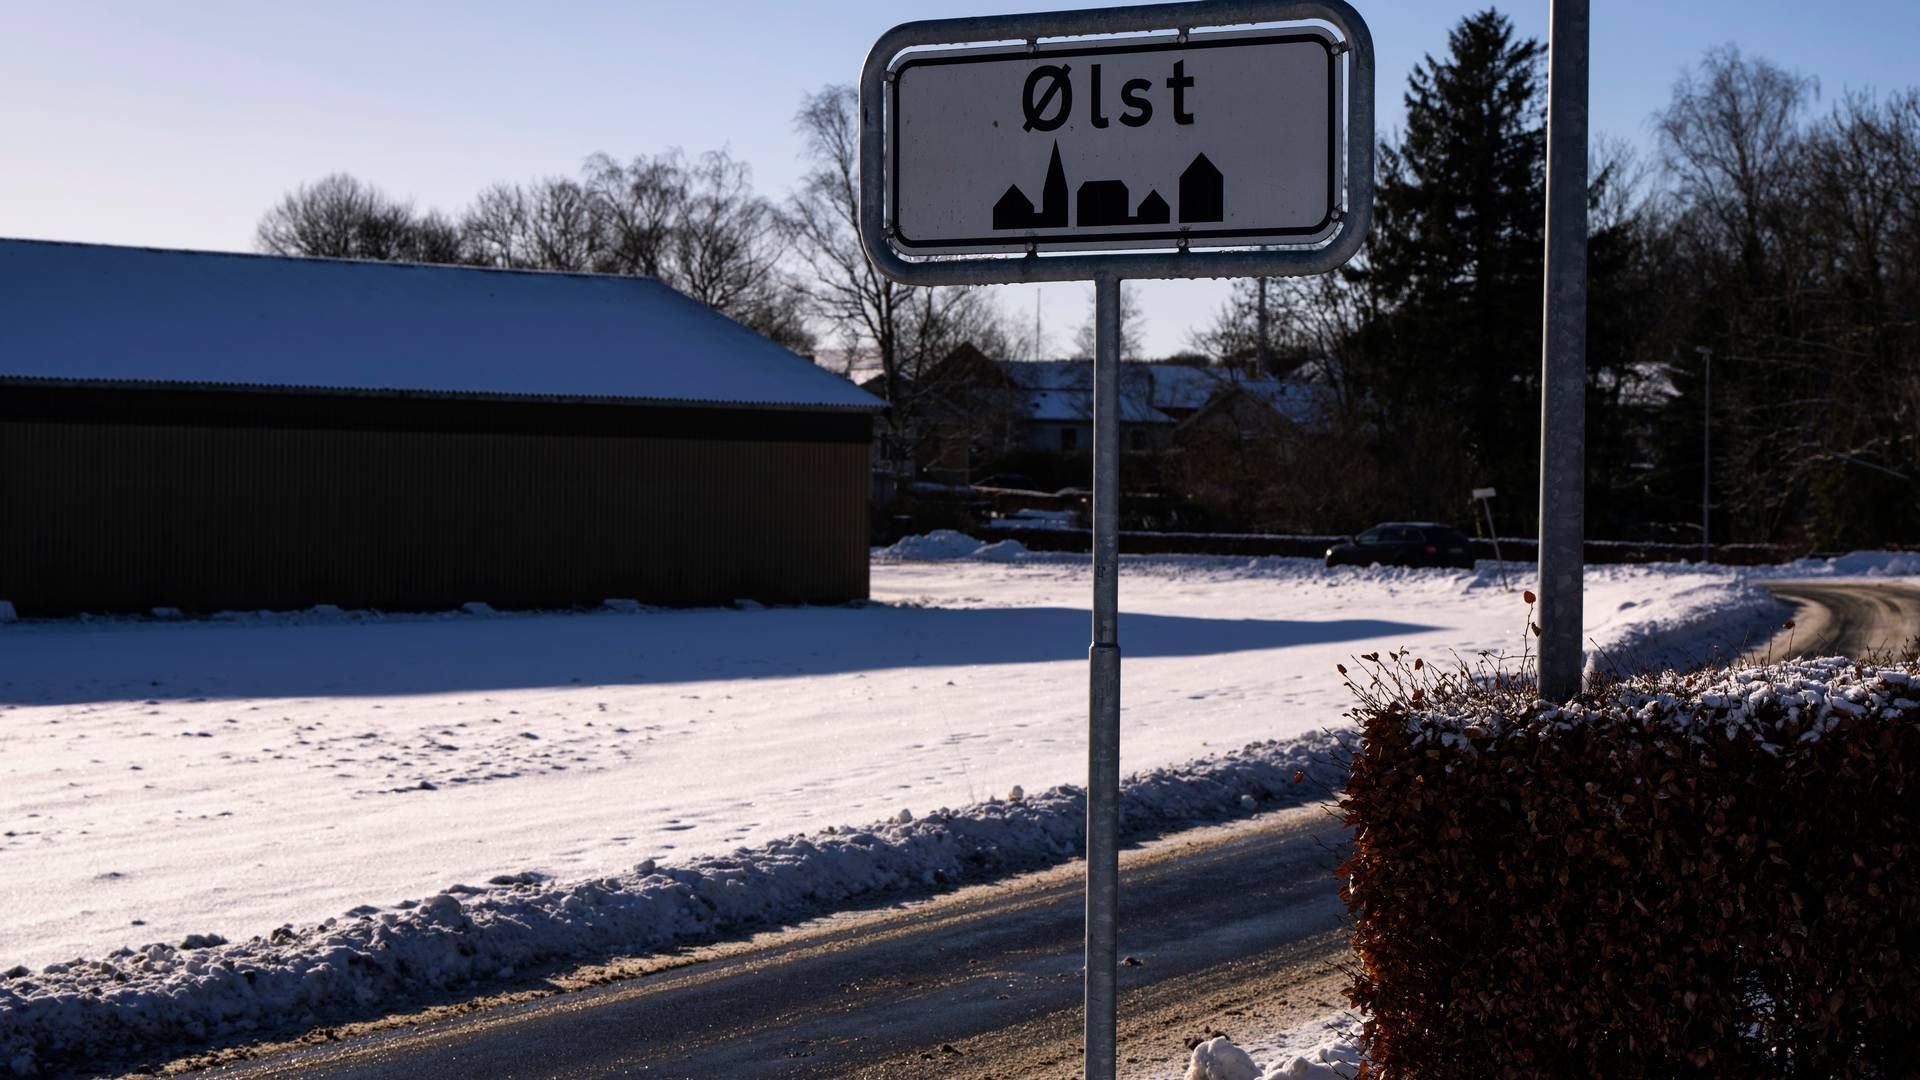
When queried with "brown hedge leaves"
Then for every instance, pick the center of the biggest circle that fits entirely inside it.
(1650, 891)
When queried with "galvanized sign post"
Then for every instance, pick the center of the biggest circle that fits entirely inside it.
(1223, 138)
(1563, 365)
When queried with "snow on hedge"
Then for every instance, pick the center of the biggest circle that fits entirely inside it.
(1778, 704)
(466, 937)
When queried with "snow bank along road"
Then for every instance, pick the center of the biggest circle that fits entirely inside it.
(1234, 930)
(228, 776)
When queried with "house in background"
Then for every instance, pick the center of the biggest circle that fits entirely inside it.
(210, 431)
(972, 413)
(1054, 404)
(1226, 399)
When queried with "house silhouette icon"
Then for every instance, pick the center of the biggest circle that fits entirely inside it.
(1202, 192)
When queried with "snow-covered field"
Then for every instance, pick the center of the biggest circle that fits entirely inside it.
(164, 778)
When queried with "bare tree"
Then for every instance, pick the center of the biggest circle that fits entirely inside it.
(727, 246)
(696, 225)
(1314, 325)
(638, 203)
(726, 242)
(1728, 141)
(549, 224)
(1859, 193)
(1244, 326)
(341, 217)
(1133, 324)
(907, 330)
(1796, 240)
(436, 239)
(699, 226)
(495, 228)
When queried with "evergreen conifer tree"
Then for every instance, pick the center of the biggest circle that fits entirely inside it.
(1456, 258)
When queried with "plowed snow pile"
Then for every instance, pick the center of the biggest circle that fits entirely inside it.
(87, 1010)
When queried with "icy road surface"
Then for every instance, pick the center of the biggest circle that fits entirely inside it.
(227, 776)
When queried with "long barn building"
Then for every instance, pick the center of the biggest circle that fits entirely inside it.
(217, 432)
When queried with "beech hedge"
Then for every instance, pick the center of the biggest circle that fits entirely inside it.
(1706, 875)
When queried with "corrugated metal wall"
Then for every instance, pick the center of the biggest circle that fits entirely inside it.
(108, 517)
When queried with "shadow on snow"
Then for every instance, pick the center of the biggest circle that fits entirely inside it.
(71, 663)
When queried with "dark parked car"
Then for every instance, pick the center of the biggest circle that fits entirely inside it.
(1405, 543)
(1007, 482)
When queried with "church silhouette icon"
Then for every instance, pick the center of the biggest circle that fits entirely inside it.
(1016, 211)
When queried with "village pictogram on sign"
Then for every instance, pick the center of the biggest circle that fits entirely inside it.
(1108, 202)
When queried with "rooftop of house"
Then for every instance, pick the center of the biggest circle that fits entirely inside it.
(1153, 393)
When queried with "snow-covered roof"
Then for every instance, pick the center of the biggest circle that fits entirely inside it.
(1297, 400)
(1063, 390)
(1179, 386)
(144, 316)
(1648, 384)
(1050, 374)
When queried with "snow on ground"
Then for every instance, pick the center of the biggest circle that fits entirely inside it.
(1328, 1049)
(1859, 564)
(93, 1010)
(160, 778)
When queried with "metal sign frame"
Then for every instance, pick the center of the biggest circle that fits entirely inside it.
(1106, 270)
(1092, 238)
(877, 231)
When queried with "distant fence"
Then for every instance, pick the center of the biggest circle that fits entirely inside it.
(921, 507)
(1515, 549)
(1167, 543)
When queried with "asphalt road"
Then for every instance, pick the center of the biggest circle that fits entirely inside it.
(1845, 618)
(1234, 929)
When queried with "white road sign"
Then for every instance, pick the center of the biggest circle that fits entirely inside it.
(1483, 493)
(1222, 139)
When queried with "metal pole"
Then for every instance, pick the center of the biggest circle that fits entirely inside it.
(1103, 755)
(1563, 369)
(1706, 457)
(1262, 356)
(1036, 325)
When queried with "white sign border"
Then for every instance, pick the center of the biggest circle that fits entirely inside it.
(905, 267)
(1173, 237)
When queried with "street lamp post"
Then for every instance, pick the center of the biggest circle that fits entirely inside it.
(1706, 452)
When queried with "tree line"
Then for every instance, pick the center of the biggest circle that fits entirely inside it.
(1776, 239)
(693, 222)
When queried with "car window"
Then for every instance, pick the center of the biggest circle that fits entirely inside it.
(1403, 535)
(1374, 536)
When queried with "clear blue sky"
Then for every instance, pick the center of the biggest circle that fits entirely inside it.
(177, 124)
